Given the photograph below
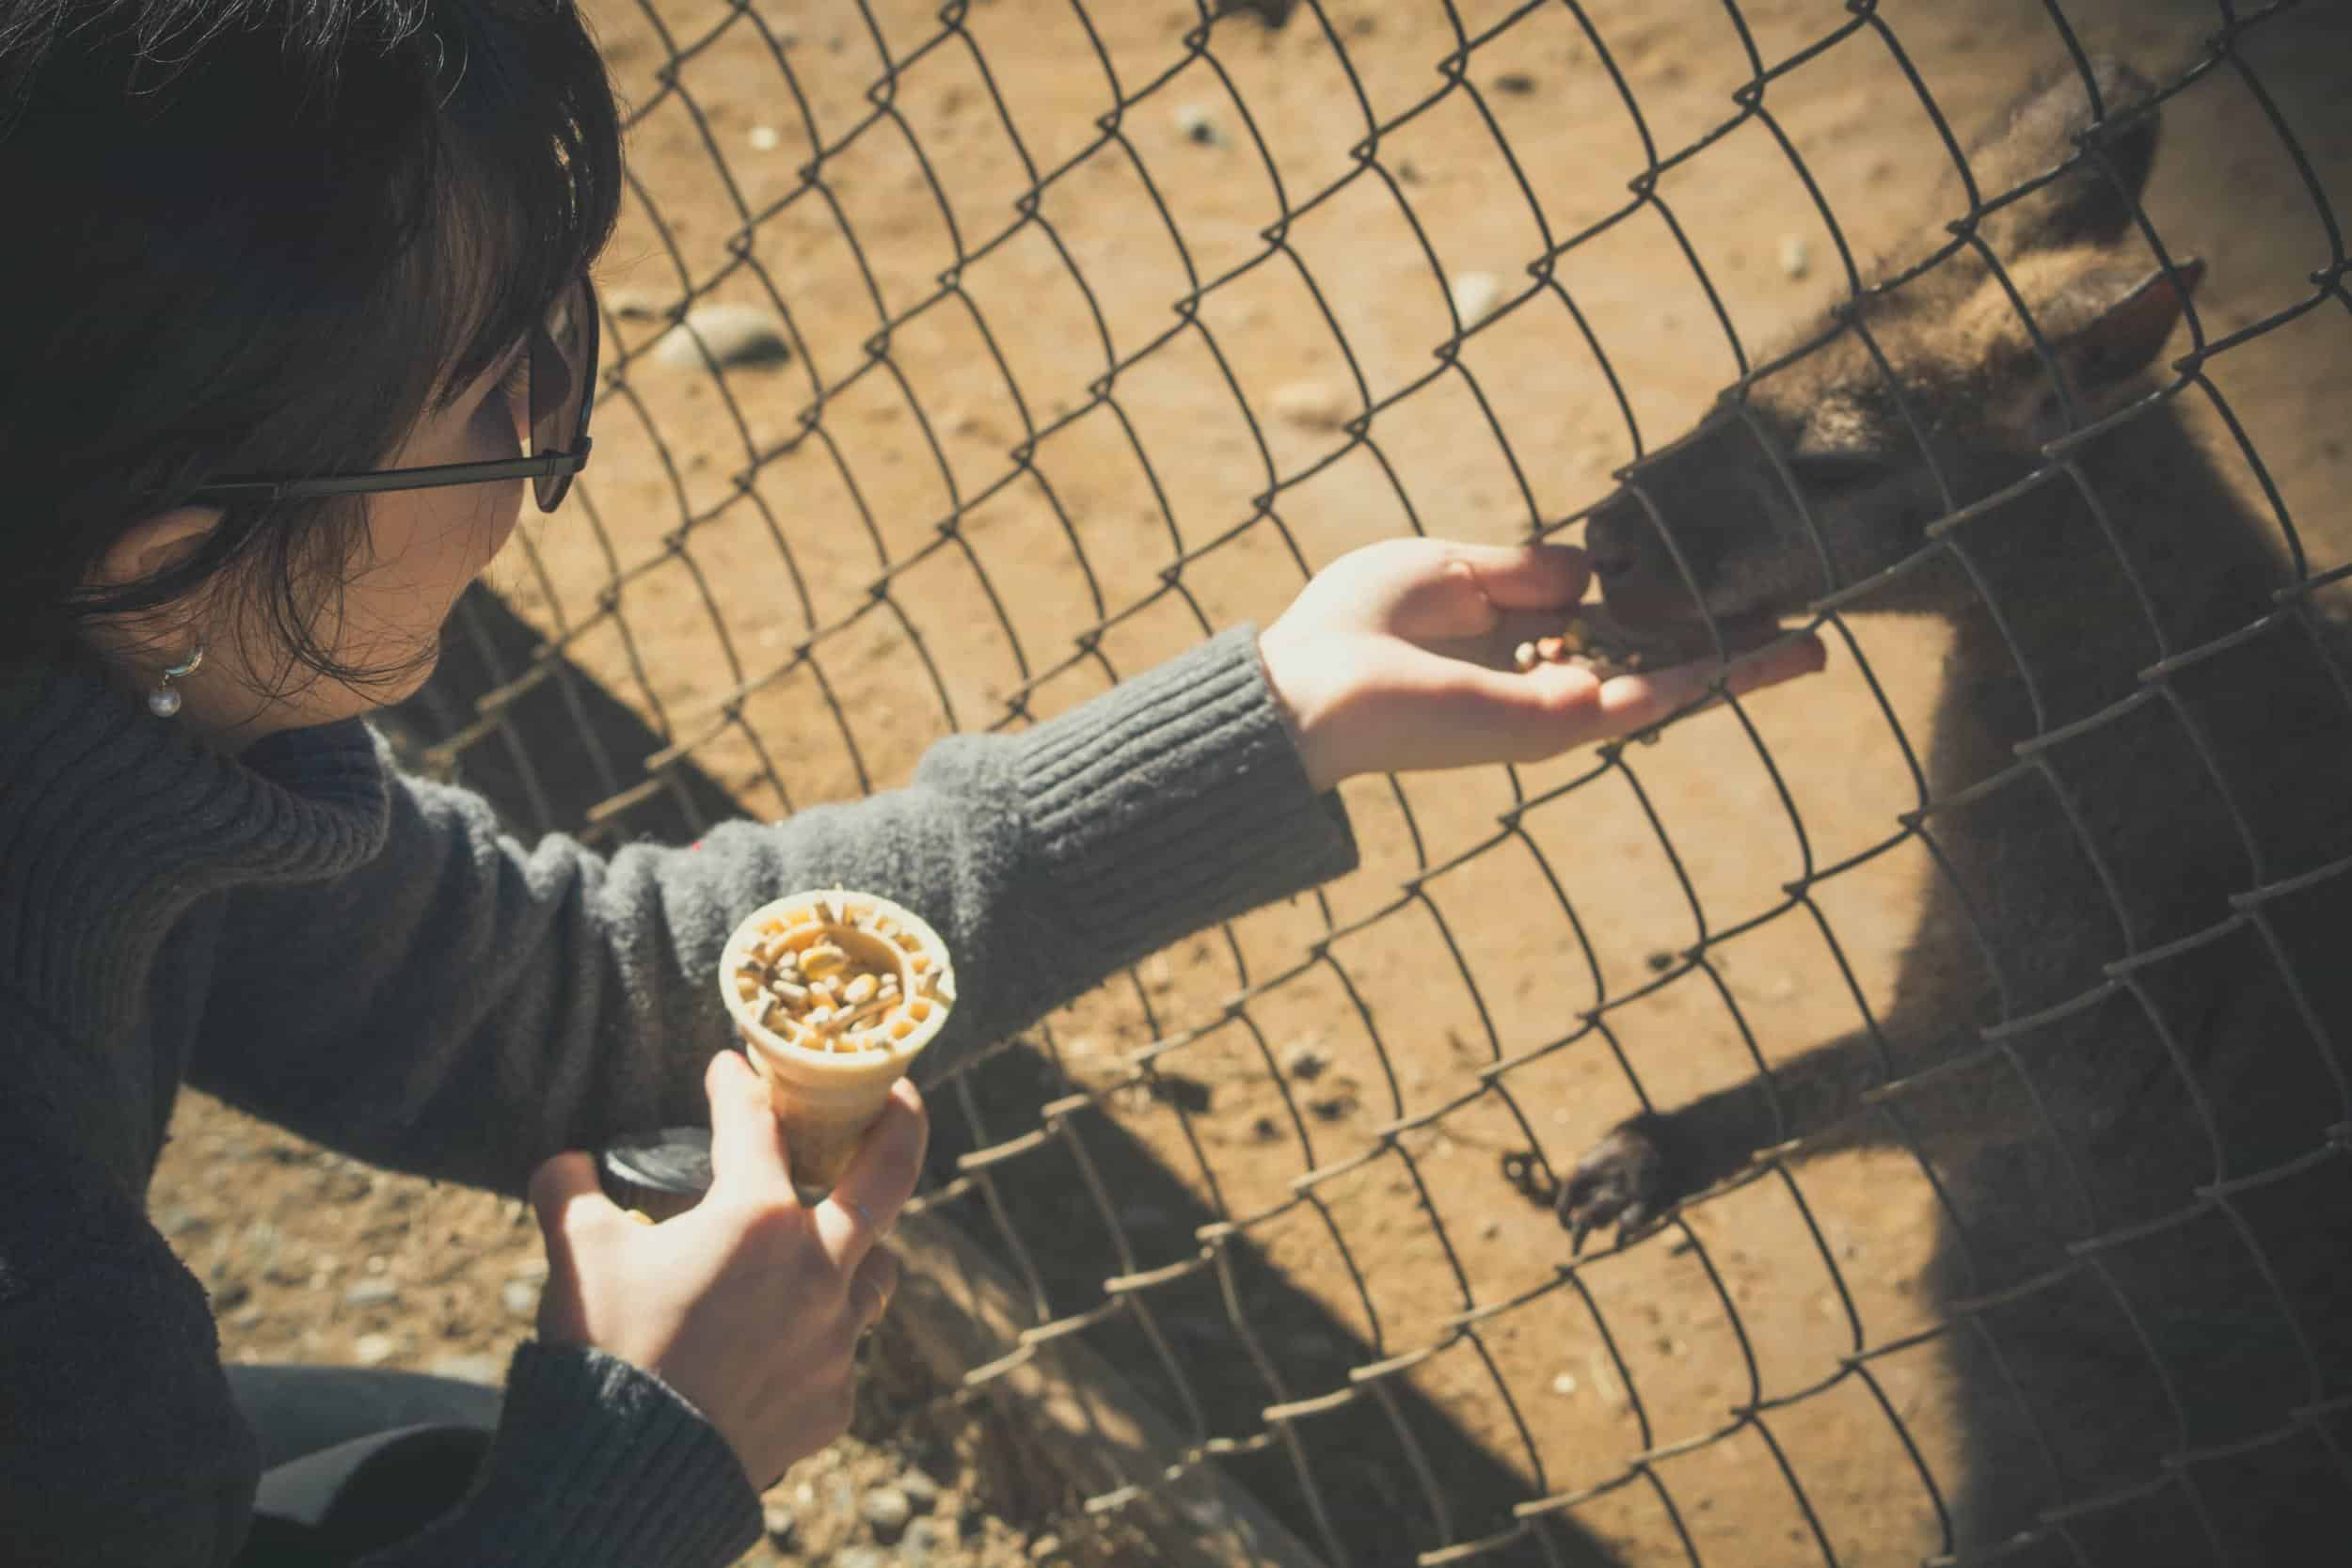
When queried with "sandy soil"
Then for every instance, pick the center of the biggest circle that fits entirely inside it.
(1146, 368)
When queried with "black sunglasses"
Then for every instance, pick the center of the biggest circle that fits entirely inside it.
(563, 371)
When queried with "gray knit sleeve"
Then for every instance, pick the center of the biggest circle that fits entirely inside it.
(595, 1462)
(465, 1005)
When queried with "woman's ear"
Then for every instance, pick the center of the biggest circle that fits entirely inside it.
(152, 545)
(132, 640)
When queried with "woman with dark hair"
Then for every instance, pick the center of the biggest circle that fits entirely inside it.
(296, 298)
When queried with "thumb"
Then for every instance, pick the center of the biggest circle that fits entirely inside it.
(746, 1140)
(1466, 590)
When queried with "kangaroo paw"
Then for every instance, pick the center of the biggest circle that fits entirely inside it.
(1627, 1180)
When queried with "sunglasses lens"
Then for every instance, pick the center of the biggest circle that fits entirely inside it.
(563, 374)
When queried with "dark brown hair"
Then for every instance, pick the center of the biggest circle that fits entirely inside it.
(263, 236)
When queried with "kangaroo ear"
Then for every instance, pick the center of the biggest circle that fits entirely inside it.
(2111, 323)
(2039, 132)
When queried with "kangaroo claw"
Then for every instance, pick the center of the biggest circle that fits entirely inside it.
(1625, 1179)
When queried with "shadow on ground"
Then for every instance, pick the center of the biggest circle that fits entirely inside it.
(559, 746)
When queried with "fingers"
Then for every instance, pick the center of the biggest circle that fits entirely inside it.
(1466, 714)
(872, 1286)
(882, 1176)
(1635, 702)
(571, 1209)
(1442, 712)
(747, 1158)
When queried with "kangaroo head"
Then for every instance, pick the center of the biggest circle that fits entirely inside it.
(1915, 402)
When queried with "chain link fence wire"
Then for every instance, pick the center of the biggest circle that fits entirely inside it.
(1093, 328)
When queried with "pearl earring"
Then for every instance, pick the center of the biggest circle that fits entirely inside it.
(163, 701)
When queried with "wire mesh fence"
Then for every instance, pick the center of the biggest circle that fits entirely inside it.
(1078, 331)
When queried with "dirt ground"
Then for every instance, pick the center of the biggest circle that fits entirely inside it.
(719, 571)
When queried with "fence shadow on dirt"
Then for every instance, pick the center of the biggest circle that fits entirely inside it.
(544, 742)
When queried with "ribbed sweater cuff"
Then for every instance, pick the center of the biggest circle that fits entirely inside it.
(599, 1462)
(1175, 800)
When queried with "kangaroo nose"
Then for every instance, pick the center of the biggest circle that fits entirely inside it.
(1609, 539)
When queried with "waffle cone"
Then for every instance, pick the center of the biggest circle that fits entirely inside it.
(826, 1099)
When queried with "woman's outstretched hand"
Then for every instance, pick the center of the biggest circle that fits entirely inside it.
(751, 1304)
(1396, 659)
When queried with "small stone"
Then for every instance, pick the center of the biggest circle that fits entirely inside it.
(230, 1295)
(181, 1222)
(782, 1524)
(1794, 258)
(1212, 1519)
(861, 1556)
(1198, 125)
(1489, 1228)
(887, 1509)
(1272, 13)
(1659, 962)
(1524, 657)
(729, 334)
(532, 1269)
(922, 1490)
(486, 1370)
(1517, 83)
(521, 1298)
(1043, 1547)
(1563, 1384)
(1265, 1130)
(247, 1317)
(371, 1292)
(374, 1350)
(1313, 405)
(1475, 296)
(633, 305)
(1305, 1060)
(805, 1495)
(1332, 1107)
(922, 1539)
(764, 138)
